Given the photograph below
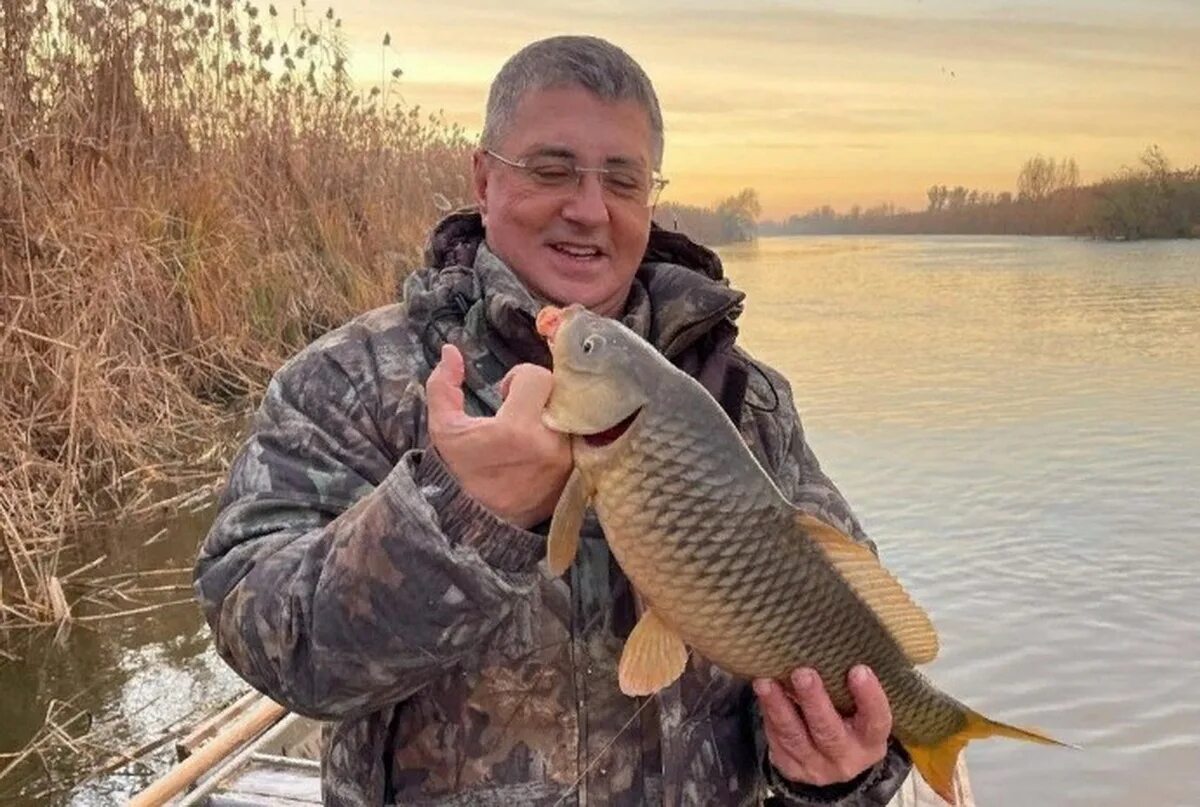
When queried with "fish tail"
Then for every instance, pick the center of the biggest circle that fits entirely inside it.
(936, 763)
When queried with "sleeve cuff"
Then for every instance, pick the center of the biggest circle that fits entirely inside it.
(466, 522)
(879, 777)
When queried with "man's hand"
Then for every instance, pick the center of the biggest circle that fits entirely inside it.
(813, 743)
(511, 463)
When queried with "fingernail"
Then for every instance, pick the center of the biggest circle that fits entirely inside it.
(762, 687)
(858, 675)
(803, 679)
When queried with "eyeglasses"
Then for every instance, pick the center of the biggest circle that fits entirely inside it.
(554, 173)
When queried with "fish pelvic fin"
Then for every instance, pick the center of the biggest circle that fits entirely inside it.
(563, 541)
(937, 763)
(905, 621)
(654, 656)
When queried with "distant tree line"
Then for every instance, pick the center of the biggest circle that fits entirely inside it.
(1149, 200)
(730, 220)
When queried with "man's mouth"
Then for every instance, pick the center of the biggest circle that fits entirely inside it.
(612, 433)
(580, 252)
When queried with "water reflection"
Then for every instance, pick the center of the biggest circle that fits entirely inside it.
(135, 676)
(1015, 420)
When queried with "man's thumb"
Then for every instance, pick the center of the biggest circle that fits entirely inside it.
(443, 388)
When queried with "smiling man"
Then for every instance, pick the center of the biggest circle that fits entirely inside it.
(375, 562)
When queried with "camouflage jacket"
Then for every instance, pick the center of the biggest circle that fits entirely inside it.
(350, 578)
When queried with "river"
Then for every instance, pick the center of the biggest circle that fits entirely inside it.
(1016, 421)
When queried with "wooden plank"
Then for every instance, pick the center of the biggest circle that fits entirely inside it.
(301, 741)
(264, 714)
(203, 731)
(270, 781)
(232, 765)
(297, 764)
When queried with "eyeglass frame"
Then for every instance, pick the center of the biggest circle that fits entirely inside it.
(657, 181)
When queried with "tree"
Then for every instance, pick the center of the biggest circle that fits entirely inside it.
(1041, 177)
(935, 197)
(1156, 163)
(1067, 177)
(1036, 179)
(739, 215)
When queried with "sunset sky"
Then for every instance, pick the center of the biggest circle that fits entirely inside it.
(852, 102)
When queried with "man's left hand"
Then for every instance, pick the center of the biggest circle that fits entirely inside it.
(812, 743)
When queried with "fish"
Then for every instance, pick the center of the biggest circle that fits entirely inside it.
(720, 560)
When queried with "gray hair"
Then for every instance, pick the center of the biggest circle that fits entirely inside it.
(565, 61)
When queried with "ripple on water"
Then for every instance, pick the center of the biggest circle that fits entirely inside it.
(1015, 422)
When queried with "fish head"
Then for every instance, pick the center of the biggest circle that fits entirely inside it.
(600, 378)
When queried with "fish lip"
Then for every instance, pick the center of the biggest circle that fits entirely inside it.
(604, 441)
(629, 422)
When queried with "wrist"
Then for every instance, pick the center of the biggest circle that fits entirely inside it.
(880, 782)
(497, 500)
(467, 522)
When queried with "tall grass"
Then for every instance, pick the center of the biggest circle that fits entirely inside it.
(189, 191)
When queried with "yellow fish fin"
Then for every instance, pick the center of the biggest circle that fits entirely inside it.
(563, 542)
(936, 763)
(654, 656)
(907, 623)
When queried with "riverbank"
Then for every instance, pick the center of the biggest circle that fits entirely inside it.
(1151, 200)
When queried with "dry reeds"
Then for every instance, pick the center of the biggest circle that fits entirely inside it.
(189, 192)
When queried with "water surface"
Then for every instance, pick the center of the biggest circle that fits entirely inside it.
(1017, 423)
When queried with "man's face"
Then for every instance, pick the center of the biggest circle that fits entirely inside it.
(575, 244)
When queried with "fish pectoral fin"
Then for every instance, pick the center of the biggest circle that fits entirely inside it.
(563, 541)
(906, 621)
(654, 656)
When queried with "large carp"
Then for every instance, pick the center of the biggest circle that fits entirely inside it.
(721, 560)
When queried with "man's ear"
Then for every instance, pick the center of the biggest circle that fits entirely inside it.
(479, 181)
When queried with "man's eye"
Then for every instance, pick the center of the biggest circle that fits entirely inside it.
(551, 174)
(624, 182)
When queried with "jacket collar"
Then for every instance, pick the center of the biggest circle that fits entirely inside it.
(678, 294)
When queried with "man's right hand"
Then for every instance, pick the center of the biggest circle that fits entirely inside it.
(512, 463)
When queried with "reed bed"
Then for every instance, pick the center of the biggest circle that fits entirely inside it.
(189, 192)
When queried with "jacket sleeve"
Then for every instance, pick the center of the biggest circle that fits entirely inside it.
(346, 568)
(799, 476)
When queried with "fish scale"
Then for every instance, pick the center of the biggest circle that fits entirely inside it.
(627, 497)
(722, 561)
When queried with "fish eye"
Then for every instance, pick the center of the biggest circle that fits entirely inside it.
(593, 342)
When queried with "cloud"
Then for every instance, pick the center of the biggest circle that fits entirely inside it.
(850, 100)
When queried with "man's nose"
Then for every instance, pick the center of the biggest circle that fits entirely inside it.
(587, 204)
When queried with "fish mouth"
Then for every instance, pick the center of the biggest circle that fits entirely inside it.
(613, 433)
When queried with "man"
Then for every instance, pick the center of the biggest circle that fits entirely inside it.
(375, 560)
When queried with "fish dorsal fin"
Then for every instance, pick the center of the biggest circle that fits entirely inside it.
(654, 656)
(907, 623)
(563, 540)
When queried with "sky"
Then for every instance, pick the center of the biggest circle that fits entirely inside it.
(841, 103)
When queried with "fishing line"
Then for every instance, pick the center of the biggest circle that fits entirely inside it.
(575, 786)
(595, 760)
